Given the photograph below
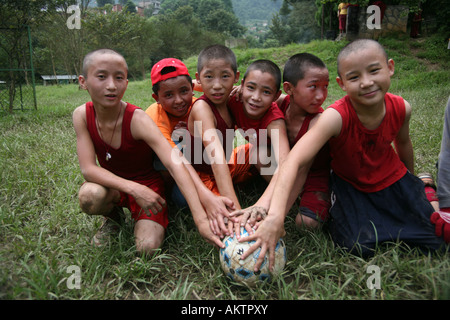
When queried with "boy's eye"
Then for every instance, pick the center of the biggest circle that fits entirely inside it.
(375, 70)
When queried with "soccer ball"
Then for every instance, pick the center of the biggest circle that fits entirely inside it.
(242, 271)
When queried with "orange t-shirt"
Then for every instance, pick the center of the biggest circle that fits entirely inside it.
(167, 123)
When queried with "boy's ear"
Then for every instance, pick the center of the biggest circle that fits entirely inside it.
(391, 67)
(82, 82)
(236, 78)
(197, 77)
(340, 83)
(287, 87)
(155, 97)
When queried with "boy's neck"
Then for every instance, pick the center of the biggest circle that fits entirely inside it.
(295, 110)
(221, 106)
(108, 113)
(370, 116)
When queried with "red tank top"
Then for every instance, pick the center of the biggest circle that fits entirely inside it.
(133, 159)
(222, 129)
(365, 158)
(258, 125)
(319, 172)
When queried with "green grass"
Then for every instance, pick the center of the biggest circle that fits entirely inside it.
(43, 231)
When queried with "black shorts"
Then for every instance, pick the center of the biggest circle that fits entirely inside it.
(362, 221)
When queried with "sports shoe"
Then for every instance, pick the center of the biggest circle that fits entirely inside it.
(427, 179)
(110, 227)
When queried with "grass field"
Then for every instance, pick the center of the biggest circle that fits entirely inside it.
(43, 232)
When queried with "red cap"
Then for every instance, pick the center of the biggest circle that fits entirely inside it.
(180, 70)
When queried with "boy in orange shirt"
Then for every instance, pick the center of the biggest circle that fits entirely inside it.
(173, 92)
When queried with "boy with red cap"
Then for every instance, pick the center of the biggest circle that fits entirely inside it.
(173, 92)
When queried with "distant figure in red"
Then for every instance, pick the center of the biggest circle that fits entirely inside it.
(342, 14)
(415, 25)
(382, 7)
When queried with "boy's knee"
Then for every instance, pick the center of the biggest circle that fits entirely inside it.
(305, 221)
(148, 246)
(92, 198)
(149, 236)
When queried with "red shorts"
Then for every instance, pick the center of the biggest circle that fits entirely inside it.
(342, 21)
(239, 165)
(137, 213)
(431, 194)
(315, 199)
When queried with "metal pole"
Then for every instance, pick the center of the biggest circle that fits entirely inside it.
(32, 67)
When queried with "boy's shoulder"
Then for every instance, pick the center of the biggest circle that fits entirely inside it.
(201, 104)
(80, 111)
(154, 110)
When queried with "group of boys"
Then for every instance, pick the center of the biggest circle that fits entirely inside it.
(340, 161)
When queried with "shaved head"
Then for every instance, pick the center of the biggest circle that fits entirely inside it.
(90, 57)
(358, 45)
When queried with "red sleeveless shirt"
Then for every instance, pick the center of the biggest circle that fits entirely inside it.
(222, 129)
(133, 159)
(319, 172)
(366, 158)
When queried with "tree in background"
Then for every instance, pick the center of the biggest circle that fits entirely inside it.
(15, 16)
(213, 15)
(295, 23)
(130, 7)
(102, 3)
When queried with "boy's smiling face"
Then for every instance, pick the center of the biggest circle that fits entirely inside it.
(366, 76)
(217, 79)
(175, 95)
(106, 79)
(258, 92)
(310, 92)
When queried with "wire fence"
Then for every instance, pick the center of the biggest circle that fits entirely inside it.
(17, 78)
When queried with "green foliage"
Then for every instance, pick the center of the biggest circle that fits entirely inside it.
(261, 10)
(294, 24)
(142, 41)
(214, 15)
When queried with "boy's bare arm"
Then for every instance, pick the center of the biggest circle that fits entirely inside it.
(302, 154)
(216, 207)
(278, 137)
(402, 142)
(144, 128)
(202, 113)
(145, 197)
